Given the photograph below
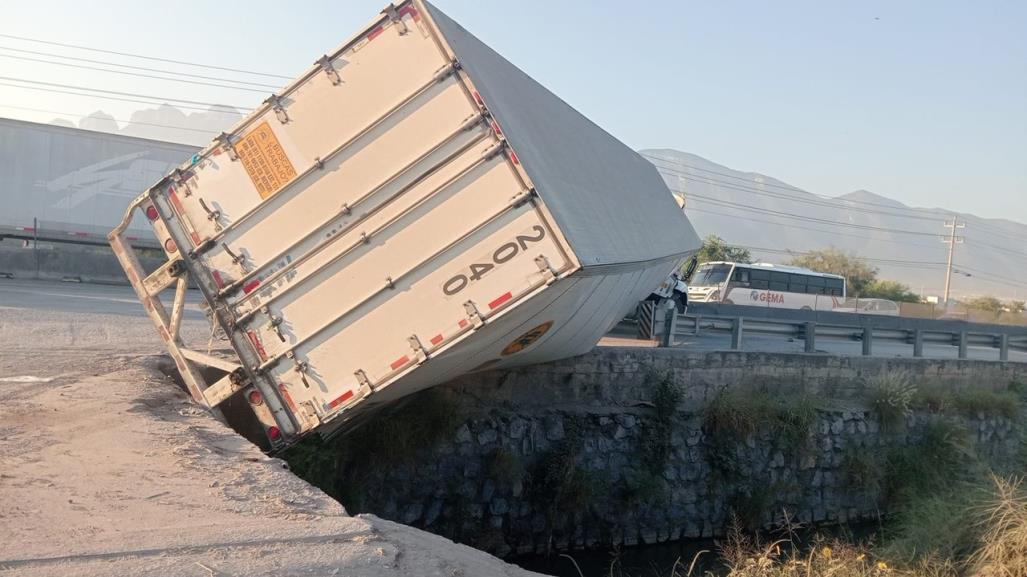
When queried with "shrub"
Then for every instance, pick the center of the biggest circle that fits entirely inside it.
(736, 415)
(891, 395)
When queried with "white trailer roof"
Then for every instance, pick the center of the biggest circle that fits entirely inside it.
(610, 203)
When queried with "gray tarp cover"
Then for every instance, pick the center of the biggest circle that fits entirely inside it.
(611, 203)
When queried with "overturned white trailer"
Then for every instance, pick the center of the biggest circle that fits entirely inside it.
(412, 208)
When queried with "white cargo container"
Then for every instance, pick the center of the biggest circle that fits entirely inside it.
(412, 208)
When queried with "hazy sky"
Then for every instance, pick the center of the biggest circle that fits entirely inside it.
(923, 101)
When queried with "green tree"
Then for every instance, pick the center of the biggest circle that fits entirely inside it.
(715, 249)
(891, 290)
(857, 273)
(985, 303)
(1017, 307)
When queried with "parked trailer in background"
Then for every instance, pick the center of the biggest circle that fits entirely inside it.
(412, 208)
(61, 184)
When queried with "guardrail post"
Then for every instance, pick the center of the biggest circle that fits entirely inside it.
(698, 317)
(868, 341)
(670, 318)
(736, 334)
(918, 343)
(1003, 347)
(962, 344)
(811, 337)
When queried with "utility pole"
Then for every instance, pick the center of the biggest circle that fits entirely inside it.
(952, 240)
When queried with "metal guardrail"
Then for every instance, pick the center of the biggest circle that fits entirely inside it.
(667, 327)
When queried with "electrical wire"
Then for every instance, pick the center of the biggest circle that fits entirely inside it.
(143, 68)
(829, 200)
(115, 92)
(820, 230)
(751, 208)
(115, 98)
(128, 122)
(140, 56)
(134, 74)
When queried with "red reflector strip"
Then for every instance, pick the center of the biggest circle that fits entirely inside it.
(257, 345)
(513, 157)
(27, 229)
(463, 323)
(399, 362)
(345, 396)
(175, 201)
(500, 300)
(250, 286)
(288, 397)
(495, 127)
(437, 339)
(217, 278)
(375, 33)
(79, 234)
(477, 98)
(411, 11)
(131, 238)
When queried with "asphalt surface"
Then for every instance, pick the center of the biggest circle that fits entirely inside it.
(71, 297)
(120, 300)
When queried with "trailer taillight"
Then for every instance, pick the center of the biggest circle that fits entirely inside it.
(256, 398)
(170, 246)
(151, 212)
(274, 433)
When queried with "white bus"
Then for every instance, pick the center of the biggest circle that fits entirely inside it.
(770, 285)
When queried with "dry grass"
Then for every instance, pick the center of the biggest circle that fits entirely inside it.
(1003, 549)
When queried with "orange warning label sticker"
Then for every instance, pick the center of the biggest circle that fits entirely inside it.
(264, 160)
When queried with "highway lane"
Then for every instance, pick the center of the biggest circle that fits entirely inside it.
(84, 298)
(77, 298)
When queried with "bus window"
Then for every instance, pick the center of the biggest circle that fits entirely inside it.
(797, 283)
(816, 281)
(779, 277)
(778, 286)
(759, 284)
(711, 274)
(740, 277)
(835, 287)
(815, 290)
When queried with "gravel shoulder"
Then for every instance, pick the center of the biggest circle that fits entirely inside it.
(107, 468)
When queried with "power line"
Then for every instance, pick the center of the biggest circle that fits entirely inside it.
(140, 56)
(751, 208)
(135, 74)
(703, 179)
(143, 68)
(820, 230)
(787, 186)
(128, 122)
(115, 92)
(178, 106)
(815, 201)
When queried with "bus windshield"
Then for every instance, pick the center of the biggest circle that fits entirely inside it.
(711, 274)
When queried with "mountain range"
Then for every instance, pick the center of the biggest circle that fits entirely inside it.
(776, 220)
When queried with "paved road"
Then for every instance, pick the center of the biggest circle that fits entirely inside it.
(83, 298)
(120, 300)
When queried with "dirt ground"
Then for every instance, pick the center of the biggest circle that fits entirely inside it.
(106, 468)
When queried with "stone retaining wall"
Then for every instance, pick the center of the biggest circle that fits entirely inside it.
(627, 446)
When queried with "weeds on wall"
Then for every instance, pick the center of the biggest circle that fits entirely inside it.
(891, 395)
